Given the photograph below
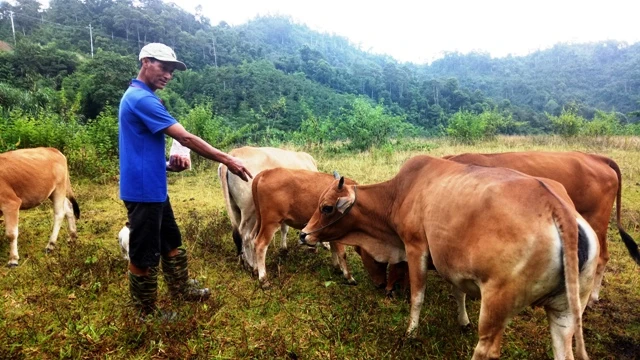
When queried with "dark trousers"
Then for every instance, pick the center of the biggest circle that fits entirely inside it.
(153, 232)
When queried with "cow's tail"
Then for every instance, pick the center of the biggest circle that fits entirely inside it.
(71, 197)
(631, 245)
(256, 204)
(223, 175)
(567, 226)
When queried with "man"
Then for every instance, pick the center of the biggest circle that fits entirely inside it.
(155, 236)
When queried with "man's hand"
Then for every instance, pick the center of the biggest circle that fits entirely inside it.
(237, 168)
(178, 163)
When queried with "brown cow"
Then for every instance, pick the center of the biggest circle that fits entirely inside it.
(238, 197)
(491, 232)
(27, 178)
(592, 181)
(288, 196)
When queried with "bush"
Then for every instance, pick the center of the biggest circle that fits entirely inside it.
(467, 127)
(364, 126)
(213, 129)
(568, 124)
(603, 124)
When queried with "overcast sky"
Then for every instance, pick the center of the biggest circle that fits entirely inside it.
(422, 30)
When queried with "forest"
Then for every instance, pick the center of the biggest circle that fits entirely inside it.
(64, 69)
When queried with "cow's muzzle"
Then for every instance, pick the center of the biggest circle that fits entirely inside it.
(303, 240)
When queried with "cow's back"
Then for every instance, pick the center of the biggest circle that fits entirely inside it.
(257, 159)
(32, 174)
(588, 178)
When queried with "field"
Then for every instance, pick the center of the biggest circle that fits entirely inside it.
(72, 303)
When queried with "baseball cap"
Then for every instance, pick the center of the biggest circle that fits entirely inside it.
(161, 52)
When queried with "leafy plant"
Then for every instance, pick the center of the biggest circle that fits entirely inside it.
(568, 123)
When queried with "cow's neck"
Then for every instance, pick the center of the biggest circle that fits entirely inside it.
(373, 208)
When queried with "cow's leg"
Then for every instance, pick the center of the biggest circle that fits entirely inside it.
(463, 318)
(267, 230)
(248, 250)
(284, 229)
(496, 308)
(561, 325)
(339, 260)
(58, 217)
(71, 219)
(398, 274)
(11, 211)
(417, 260)
(602, 262)
(237, 240)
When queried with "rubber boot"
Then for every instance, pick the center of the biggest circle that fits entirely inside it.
(144, 291)
(176, 274)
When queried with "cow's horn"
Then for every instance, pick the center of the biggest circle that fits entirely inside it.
(336, 175)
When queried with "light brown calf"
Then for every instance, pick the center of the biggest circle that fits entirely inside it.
(592, 181)
(27, 178)
(492, 233)
(289, 196)
(238, 197)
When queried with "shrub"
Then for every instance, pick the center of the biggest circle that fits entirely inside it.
(364, 125)
(568, 124)
(466, 127)
(603, 124)
(213, 129)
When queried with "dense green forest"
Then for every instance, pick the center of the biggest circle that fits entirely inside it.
(275, 79)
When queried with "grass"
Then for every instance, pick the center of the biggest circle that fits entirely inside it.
(72, 303)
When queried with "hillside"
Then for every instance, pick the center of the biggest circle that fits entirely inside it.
(274, 72)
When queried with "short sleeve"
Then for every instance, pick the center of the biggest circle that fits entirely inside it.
(153, 114)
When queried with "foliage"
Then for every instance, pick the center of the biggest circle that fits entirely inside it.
(603, 124)
(568, 123)
(213, 129)
(243, 71)
(364, 125)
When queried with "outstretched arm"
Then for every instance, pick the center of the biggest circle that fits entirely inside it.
(202, 148)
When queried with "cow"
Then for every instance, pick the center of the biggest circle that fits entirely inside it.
(238, 197)
(493, 233)
(27, 178)
(593, 182)
(288, 196)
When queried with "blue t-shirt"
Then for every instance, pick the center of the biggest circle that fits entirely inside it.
(142, 119)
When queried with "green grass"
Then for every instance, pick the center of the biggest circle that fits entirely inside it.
(73, 303)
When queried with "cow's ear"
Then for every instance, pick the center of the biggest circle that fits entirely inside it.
(343, 204)
(336, 175)
(341, 183)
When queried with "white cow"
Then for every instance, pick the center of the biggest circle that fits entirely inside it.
(238, 196)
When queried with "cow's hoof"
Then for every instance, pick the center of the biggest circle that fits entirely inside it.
(12, 265)
(390, 294)
(48, 251)
(265, 284)
(465, 328)
(352, 282)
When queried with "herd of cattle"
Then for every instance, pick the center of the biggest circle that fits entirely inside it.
(514, 229)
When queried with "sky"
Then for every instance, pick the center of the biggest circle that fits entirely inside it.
(421, 31)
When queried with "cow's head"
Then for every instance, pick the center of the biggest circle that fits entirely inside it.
(330, 221)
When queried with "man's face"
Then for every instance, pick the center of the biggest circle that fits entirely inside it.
(155, 73)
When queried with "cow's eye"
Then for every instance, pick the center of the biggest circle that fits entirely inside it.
(326, 209)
